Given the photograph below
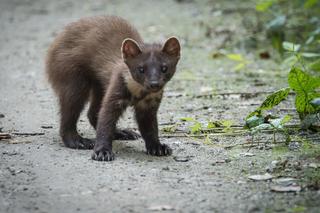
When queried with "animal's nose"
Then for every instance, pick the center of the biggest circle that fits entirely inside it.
(154, 84)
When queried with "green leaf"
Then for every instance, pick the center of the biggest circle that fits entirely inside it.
(274, 99)
(254, 121)
(300, 81)
(235, 57)
(271, 101)
(264, 5)
(286, 119)
(310, 3)
(227, 123)
(257, 112)
(196, 128)
(310, 55)
(304, 85)
(290, 46)
(279, 122)
(261, 127)
(187, 119)
(276, 123)
(310, 40)
(239, 66)
(277, 23)
(215, 123)
(291, 60)
(315, 66)
(303, 103)
(169, 128)
(313, 35)
(211, 125)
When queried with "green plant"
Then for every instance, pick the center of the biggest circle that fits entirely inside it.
(302, 84)
(242, 62)
(256, 124)
(296, 20)
(196, 126)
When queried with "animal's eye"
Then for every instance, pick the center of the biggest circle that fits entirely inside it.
(164, 68)
(141, 69)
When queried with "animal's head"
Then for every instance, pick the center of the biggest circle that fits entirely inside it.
(151, 65)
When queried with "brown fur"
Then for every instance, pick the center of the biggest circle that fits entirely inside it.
(85, 63)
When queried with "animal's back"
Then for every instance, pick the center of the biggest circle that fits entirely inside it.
(87, 48)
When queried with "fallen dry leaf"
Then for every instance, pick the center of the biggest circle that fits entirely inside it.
(247, 154)
(285, 181)
(263, 177)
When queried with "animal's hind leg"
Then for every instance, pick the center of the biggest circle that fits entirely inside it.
(125, 134)
(96, 97)
(72, 100)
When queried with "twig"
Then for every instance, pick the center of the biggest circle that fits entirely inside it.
(203, 135)
(167, 123)
(210, 95)
(174, 136)
(46, 127)
(174, 95)
(250, 145)
(215, 133)
(5, 136)
(28, 133)
(241, 144)
(245, 94)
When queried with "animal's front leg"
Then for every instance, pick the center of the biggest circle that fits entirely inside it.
(148, 126)
(111, 109)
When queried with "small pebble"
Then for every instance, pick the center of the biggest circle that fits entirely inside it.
(181, 158)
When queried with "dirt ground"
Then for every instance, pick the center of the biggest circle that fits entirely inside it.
(38, 174)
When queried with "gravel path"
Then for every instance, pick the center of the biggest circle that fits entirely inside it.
(38, 174)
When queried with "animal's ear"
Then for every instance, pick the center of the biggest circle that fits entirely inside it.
(172, 47)
(130, 48)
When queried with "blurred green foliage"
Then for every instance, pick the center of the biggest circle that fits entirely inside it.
(297, 21)
(291, 20)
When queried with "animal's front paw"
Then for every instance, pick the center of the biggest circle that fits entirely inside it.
(102, 154)
(159, 150)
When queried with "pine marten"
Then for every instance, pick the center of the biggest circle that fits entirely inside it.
(104, 60)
